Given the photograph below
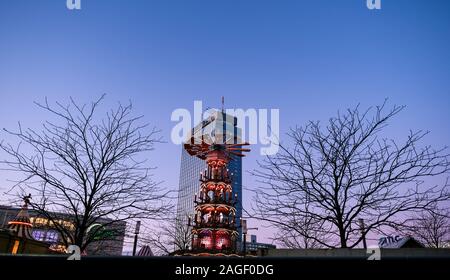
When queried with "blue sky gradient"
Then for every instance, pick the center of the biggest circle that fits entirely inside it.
(307, 58)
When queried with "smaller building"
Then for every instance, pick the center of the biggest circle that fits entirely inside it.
(108, 241)
(253, 246)
(145, 251)
(397, 242)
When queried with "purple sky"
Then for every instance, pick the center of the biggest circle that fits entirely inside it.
(306, 58)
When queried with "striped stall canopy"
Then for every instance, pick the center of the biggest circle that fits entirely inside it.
(145, 251)
(21, 225)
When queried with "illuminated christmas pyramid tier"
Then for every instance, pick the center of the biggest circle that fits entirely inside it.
(214, 228)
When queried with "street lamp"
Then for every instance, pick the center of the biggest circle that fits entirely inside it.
(362, 229)
(136, 232)
(244, 232)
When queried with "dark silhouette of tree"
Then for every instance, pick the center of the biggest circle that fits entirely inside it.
(431, 228)
(169, 236)
(308, 231)
(336, 174)
(87, 167)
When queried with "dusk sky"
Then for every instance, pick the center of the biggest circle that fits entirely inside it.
(308, 59)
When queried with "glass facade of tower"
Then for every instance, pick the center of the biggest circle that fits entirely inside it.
(223, 128)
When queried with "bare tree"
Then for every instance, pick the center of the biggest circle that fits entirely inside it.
(431, 228)
(170, 236)
(308, 231)
(343, 172)
(87, 167)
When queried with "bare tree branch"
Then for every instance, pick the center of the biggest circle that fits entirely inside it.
(334, 175)
(169, 236)
(431, 228)
(87, 167)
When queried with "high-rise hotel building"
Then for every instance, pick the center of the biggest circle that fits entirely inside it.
(219, 128)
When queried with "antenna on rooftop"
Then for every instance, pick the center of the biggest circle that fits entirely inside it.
(223, 104)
